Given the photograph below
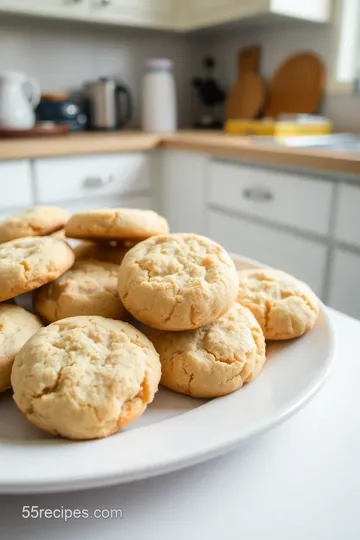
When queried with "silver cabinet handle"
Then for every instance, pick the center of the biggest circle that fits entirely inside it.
(98, 181)
(105, 3)
(257, 194)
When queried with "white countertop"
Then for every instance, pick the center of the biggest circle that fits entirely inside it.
(298, 482)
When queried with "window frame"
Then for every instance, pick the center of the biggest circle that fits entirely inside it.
(339, 83)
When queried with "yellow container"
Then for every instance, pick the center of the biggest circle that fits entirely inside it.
(271, 128)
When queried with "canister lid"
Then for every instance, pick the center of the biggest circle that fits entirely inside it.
(159, 64)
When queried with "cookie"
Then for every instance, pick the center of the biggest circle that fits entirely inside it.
(36, 221)
(59, 234)
(213, 360)
(88, 288)
(100, 251)
(85, 377)
(177, 281)
(285, 307)
(28, 263)
(116, 224)
(17, 326)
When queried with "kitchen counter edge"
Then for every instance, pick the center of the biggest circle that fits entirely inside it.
(215, 143)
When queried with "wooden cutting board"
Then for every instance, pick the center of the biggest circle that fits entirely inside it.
(297, 86)
(246, 98)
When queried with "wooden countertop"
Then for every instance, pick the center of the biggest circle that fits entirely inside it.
(216, 143)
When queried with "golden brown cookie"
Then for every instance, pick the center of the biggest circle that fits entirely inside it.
(85, 377)
(116, 224)
(59, 234)
(88, 288)
(16, 326)
(214, 360)
(100, 251)
(285, 307)
(36, 221)
(28, 263)
(177, 281)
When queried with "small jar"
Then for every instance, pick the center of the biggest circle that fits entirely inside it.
(159, 114)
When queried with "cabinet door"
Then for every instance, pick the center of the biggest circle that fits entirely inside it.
(182, 190)
(56, 8)
(15, 185)
(82, 177)
(211, 12)
(154, 13)
(305, 259)
(345, 283)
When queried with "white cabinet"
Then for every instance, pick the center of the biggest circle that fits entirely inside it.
(50, 8)
(170, 14)
(305, 259)
(153, 13)
(280, 197)
(345, 283)
(347, 224)
(15, 185)
(183, 190)
(74, 178)
(212, 12)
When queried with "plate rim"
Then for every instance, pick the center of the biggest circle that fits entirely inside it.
(192, 457)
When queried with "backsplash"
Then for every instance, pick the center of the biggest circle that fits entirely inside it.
(277, 44)
(63, 55)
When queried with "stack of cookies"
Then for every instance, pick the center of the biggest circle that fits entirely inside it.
(88, 373)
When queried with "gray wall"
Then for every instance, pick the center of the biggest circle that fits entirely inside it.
(277, 43)
(62, 55)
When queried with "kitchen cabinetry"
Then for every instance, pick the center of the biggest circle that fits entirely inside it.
(305, 259)
(50, 8)
(345, 283)
(15, 185)
(170, 14)
(304, 224)
(281, 197)
(155, 13)
(183, 190)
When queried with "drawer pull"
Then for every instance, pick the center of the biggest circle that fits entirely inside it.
(98, 181)
(257, 194)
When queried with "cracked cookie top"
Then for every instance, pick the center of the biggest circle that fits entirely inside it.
(284, 306)
(177, 281)
(88, 288)
(36, 221)
(116, 224)
(213, 360)
(85, 377)
(28, 263)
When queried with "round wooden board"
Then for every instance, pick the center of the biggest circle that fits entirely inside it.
(297, 86)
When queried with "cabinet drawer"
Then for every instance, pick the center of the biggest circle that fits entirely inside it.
(96, 176)
(305, 259)
(15, 185)
(345, 283)
(284, 198)
(347, 225)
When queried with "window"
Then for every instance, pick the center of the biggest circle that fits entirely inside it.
(347, 39)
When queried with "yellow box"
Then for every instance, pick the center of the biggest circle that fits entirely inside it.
(271, 128)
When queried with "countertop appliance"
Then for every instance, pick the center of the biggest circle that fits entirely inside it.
(19, 95)
(106, 108)
(211, 94)
(57, 107)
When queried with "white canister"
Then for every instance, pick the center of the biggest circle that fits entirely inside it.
(159, 113)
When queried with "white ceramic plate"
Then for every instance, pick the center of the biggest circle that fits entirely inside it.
(176, 431)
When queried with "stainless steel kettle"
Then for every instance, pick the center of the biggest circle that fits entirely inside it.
(107, 110)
